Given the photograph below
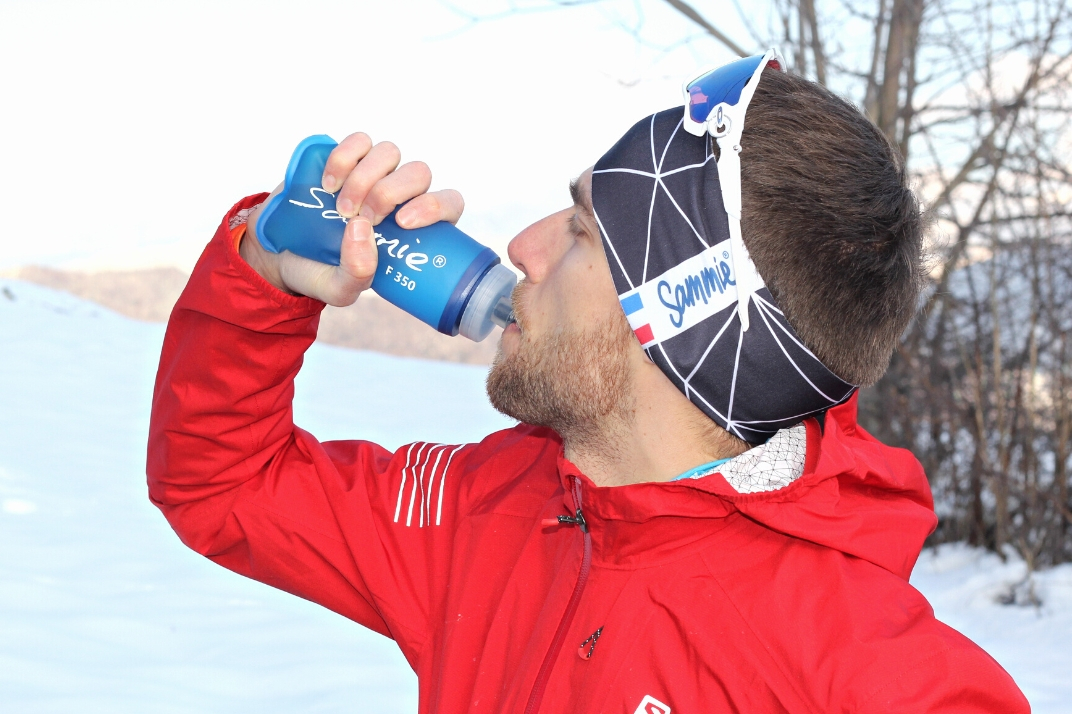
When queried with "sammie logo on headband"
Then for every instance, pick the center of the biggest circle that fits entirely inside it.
(682, 297)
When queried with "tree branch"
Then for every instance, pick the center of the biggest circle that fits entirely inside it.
(690, 12)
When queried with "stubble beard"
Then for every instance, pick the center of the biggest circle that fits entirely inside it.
(576, 382)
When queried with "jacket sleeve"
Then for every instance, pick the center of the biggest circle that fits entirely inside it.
(957, 679)
(350, 525)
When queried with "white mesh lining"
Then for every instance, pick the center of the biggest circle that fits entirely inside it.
(241, 217)
(767, 467)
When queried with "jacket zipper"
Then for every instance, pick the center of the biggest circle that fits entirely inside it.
(571, 609)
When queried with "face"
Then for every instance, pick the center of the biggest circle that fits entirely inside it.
(567, 362)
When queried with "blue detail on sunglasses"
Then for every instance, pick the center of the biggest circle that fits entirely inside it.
(722, 85)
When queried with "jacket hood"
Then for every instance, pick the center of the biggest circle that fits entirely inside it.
(856, 495)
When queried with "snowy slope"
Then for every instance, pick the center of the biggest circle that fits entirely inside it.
(103, 610)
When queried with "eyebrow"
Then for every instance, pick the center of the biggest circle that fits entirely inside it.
(579, 199)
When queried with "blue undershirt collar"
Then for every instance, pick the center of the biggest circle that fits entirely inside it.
(701, 470)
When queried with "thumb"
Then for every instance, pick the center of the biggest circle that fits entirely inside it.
(358, 258)
(336, 285)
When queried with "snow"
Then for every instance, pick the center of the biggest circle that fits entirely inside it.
(102, 609)
(964, 586)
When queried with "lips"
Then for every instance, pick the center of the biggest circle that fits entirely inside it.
(517, 317)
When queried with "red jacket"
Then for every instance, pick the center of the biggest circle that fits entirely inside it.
(705, 600)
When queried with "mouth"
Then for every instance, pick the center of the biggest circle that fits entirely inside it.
(513, 319)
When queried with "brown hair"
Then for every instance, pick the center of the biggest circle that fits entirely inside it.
(830, 223)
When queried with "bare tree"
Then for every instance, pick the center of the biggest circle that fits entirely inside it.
(975, 96)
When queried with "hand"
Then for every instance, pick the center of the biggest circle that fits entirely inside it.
(370, 184)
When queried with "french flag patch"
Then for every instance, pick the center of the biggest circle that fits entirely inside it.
(683, 296)
(634, 305)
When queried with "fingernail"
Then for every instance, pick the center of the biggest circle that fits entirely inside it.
(367, 213)
(404, 218)
(362, 229)
(345, 207)
(328, 183)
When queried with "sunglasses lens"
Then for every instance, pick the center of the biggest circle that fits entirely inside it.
(720, 85)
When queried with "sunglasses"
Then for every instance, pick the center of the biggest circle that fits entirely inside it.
(713, 100)
(715, 104)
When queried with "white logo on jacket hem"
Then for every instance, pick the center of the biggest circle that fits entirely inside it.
(651, 705)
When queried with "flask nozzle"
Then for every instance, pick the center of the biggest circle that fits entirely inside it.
(503, 312)
(489, 304)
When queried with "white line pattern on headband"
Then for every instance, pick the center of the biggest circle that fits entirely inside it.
(733, 384)
(654, 191)
(763, 315)
(687, 388)
(764, 307)
(774, 307)
(673, 200)
(790, 334)
(649, 174)
(710, 345)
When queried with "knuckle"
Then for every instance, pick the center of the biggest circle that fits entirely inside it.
(358, 140)
(422, 171)
(389, 149)
(362, 270)
(457, 199)
(432, 205)
(357, 186)
(379, 199)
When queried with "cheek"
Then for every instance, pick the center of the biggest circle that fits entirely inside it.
(588, 290)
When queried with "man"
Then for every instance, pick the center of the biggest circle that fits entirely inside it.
(688, 518)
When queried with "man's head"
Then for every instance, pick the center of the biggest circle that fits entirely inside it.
(827, 217)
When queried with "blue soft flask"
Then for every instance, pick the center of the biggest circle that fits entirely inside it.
(437, 274)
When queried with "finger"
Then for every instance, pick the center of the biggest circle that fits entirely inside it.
(336, 285)
(429, 208)
(358, 258)
(343, 159)
(342, 285)
(381, 160)
(396, 188)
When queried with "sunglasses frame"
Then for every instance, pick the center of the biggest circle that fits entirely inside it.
(721, 118)
(725, 122)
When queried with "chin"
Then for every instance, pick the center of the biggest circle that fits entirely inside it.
(567, 380)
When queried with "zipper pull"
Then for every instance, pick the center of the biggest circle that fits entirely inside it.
(592, 638)
(577, 520)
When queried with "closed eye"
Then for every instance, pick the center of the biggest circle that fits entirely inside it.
(576, 228)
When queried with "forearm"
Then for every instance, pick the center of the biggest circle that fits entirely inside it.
(222, 402)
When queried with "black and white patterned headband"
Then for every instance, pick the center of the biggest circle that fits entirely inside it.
(659, 205)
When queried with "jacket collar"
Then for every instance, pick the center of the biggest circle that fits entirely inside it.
(856, 495)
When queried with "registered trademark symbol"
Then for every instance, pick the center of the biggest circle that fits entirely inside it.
(439, 261)
(725, 254)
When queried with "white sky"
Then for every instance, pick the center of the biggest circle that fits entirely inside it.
(127, 129)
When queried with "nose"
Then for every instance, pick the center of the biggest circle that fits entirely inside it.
(534, 250)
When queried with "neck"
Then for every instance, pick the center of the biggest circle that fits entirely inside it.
(658, 435)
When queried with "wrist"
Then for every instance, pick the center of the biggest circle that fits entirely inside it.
(265, 263)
